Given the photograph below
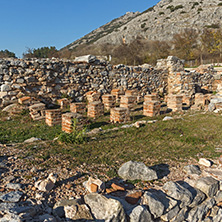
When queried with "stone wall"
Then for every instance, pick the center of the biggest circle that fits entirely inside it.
(50, 79)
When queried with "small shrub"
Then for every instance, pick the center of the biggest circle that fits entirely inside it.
(161, 13)
(76, 136)
(213, 26)
(143, 25)
(220, 4)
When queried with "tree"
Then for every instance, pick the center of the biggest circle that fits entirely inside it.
(43, 52)
(185, 44)
(7, 54)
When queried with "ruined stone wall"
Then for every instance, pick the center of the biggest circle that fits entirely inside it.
(55, 78)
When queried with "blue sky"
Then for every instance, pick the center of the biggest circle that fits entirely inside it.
(39, 23)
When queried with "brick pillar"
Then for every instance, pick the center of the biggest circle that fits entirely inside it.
(64, 103)
(150, 97)
(67, 121)
(108, 101)
(95, 109)
(78, 108)
(92, 96)
(53, 117)
(200, 99)
(175, 102)
(127, 102)
(37, 111)
(119, 115)
(151, 108)
(187, 99)
(117, 93)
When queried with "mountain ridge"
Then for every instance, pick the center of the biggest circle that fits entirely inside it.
(160, 22)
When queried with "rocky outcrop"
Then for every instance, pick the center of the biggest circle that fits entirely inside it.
(159, 22)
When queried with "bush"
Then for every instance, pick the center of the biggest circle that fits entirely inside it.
(76, 136)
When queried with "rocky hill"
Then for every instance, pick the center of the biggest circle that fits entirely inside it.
(159, 22)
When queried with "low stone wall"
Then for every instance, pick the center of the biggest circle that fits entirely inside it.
(50, 79)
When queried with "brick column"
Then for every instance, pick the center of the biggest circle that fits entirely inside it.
(119, 115)
(175, 102)
(150, 97)
(200, 99)
(67, 121)
(78, 108)
(64, 103)
(92, 96)
(117, 93)
(127, 102)
(95, 109)
(151, 108)
(53, 117)
(108, 101)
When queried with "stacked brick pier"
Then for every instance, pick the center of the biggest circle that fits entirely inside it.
(119, 115)
(67, 121)
(117, 93)
(128, 102)
(175, 102)
(95, 109)
(151, 108)
(64, 103)
(78, 108)
(151, 105)
(108, 101)
(53, 117)
(92, 96)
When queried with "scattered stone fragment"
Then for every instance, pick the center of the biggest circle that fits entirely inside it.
(104, 208)
(47, 184)
(205, 162)
(32, 140)
(133, 198)
(12, 197)
(94, 185)
(192, 169)
(14, 186)
(166, 118)
(117, 187)
(208, 185)
(136, 171)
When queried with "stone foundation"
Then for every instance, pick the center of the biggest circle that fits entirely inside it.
(119, 115)
(95, 109)
(53, 117)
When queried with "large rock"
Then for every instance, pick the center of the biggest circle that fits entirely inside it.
(197, 214)
(158, 202)
(136, 171)
(208, 185)
(140, 214)
(86, 58)
(178, 192)
(104, 208)
(12, 197)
